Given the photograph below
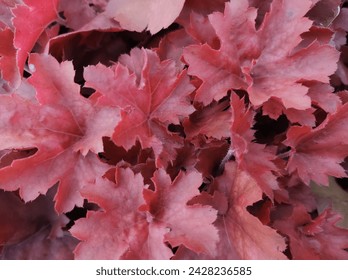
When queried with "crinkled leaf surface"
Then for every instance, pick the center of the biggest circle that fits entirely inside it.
(58, 127)
(314, 239)
(317, 153)
(30, 20)
(196, 143)
(251, 157)
(146, 224)
(168, 205)
(262, 61)
(153, 91)
(243, 236)
(120, 231)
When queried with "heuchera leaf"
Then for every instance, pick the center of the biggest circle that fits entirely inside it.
(253, 158)
(87, 15)
(317, 239)
(277, 44)
(120, 231)
(205, 140)
(30, 20)
(171, 46)
(321, 95)
(317, 153)
(212, 121)
(145, 224)
(242, 235)
(8, 67)
(138, 15)
(168, 206)
(77, 13)
(153, 91)
(264, 62)
(60, 131)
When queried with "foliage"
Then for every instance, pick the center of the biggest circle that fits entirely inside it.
(173, 129)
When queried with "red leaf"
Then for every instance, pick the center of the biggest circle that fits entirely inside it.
(214, 69)
(317, 153)
(211, 121)
(168, 206)
(6, 13)
(30, 20)
(263, 62)
(87, 15)
(171, 46)
(279, 65)
(325, 12)
(145, 225)
(120, 231)
(219, 69)
(55, 87)
(253, 158)
(202, 7)
(242, 235)
(8, 67)
(322, 95)
(200, 28)
(303, 117)
(154, 91)
(77, 13)
(317, 239)
(62, 120)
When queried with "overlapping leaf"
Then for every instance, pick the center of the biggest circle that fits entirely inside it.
(39, 14)
(165, 160)
(58, 126)
(153, 91)
(264, 62)
(140, 227)
(252, 157)
(317, 239)
(317, 153)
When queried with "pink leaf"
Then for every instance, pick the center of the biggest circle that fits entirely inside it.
(243, 236)
(120, 231)
(139, 15)
(168, 206)
(59, 128)
(30, 20)
(211, 121)
(154, 91)
(317, 153)
(8, 66)
(252, 157)
(264, 62)
(317, 239)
